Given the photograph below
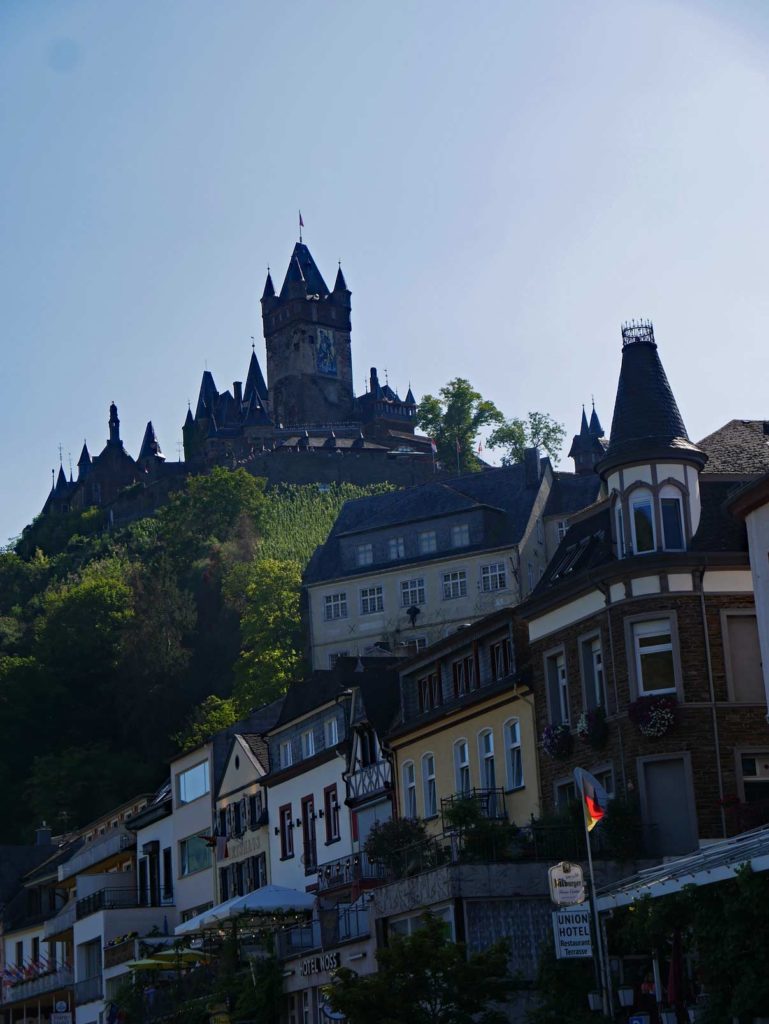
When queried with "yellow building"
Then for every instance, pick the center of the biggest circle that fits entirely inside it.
(467, 729)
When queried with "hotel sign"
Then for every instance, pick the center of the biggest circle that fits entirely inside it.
(320, 963)
(567, 884)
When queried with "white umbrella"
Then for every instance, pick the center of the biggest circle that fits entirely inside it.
(266, 900)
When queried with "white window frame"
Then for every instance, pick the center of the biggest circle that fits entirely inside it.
(182, 800)
(651, 627)
(396, 547)
(462, 771)
(454, 580)
(408, 772)
(335, 606)
(286, 753)
(428, 542)
(561, 526)
(331, 733)
(669, 493)
(486, 757)
(364, 554)
(184, 869)
(637, 499)
(514, 754)
(594, 681)
(334, 657)
(460, 535)
(372, 599)
(410, 587)
(493, 577)
(307, 739)
(429, 789)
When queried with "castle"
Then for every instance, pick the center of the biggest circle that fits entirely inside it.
(306, 408)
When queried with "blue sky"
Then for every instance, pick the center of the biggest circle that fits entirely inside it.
(504, 182)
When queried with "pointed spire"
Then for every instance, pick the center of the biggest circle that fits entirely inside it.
(188, 420)
(207, 396)
(647, 423)
(61, 482)
(340, 285)
(255, 382)
(302, 276)
(269, 287)
(150, 448)
(114, 426)
(595, 424)
(410, 400)
(84, 463)
(583, 427)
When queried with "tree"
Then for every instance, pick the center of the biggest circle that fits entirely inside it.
(538, 430)
(213, 715)
(425, 979)
(454, 421)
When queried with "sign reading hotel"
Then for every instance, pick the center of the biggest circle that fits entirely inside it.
(318, 964)
(571, 931)
(567, 884)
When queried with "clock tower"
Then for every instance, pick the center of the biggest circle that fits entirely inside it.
(307, 337)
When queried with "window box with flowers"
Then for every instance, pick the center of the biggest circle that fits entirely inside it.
(557, 741)
(592, 728)
(654, 716)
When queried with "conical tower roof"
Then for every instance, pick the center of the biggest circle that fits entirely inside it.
(647, 423)
(150, 448)
(340, 285)
(255, 380)
(595, 424)
(269, 287)
(302, 276)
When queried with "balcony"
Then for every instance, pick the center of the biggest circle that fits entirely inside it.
(52, 981)
(99, 849)
(106, 899)
(299, 939)
(63, 922)
(484, 803)
(354, 869)
(341, 924)
(88, 990)
(369, 781)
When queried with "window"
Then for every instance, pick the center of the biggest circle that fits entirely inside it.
(364, 554)
(513, 754)
(409, 790)
(309, 838)
(194, 855)
(429, 692)
(486, 756)
(654, 665)
(672, 524)
(454, 584)
(493, 577)
(331, 733)
(255, 810)
(427, 542)
(562, 525)
(743, 657)
(755, 776)
(500, 654)
(460, 535)
(462, 766)
(237, 818)
(396, 548)
(592, 671)
(334, 658)
(557, 688)
(463, 675)
(429, 792)
(371, 600)
(19, 954)
(286, 832)
(335, 606)
(367, 752)
(192, 783)
(286, 754)
(643, 524)
(606, 777)
(331, 812)
(565, 794)
(308, 743)
(168, 875)
(412, 592)
(621, 547)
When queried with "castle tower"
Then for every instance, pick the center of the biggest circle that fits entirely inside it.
(588, 447)
(651, 468)
(307, 337)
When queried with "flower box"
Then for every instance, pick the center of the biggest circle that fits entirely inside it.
(654, 716)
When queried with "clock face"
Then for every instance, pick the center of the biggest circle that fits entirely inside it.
(326, 352)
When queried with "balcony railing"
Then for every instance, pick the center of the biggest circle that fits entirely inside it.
(370, 780)
(106, 899)
(63, 921)
(355, 867)
(298, 939)
(112, 842)
(51, 981)
(342, 924)
(489, 803)
(88, 990)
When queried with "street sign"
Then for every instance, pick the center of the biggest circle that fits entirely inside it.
(571, 931)
(567, 884)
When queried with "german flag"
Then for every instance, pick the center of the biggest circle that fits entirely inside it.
(595, 799)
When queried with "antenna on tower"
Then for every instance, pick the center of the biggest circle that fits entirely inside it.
(69, 459)
(179, 445)
(253, 343)
(60, 459)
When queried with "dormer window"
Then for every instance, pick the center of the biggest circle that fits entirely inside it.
(642, 518)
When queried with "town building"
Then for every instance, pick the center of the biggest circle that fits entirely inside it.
(644, 647)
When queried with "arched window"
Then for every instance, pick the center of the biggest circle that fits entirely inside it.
(409, 790)
(672, 518)
(513, 754)
(619, 522)
(462, 766)
(642, 522)
(488, 772)
(429, 792)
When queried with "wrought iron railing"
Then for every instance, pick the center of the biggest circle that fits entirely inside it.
(87, 990)
(106, 899)
(355, 867)
(50, 981)
(489, 803)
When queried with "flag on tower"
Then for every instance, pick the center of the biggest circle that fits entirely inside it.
(595, 799)
(301, 222)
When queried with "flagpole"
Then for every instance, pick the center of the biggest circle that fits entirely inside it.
(596, 921)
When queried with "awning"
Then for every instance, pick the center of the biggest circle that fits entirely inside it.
(718, 862)
(267, 900)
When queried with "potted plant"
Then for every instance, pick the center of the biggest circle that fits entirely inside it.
(592, 727)
(557, 741)
(654, 716)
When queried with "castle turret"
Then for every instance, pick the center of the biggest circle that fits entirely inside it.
(84, 463)
(114, 427)
(588, 447)
(307, 336)
(150, 450)
(651, 468)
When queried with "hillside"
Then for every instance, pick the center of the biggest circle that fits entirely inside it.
(117, 647)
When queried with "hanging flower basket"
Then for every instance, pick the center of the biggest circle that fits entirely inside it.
(592, 728)
(654, 716)
(557, 741)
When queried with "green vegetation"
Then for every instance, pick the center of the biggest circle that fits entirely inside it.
(117, 647)
(538, 430)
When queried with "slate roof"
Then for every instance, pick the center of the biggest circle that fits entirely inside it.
(646, 422)
(380, 697)
(303, 275)
(15, 862)
(324, 685)
(740, 446)
(718, 529)
(258, 747)
(572, 492)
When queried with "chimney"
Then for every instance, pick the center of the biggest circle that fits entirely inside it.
(43, 835)
(374, 382)
(237, 390)
(532, 466)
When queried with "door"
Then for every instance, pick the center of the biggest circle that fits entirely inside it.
(309, 842)
(667, 799)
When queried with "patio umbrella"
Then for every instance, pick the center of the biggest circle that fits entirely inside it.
(183, 956)
(146, 965)
(267, 900)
